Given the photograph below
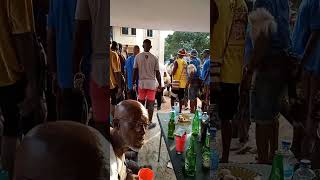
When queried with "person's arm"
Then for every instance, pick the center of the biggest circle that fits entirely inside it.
(135, 72)
(311, 44)
(262, 46)
(158, 76)
(22, 31)
(82, 30)
(51, 56)
(175, 67)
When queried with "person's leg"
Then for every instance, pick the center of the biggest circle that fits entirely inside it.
(174, 95)
(226, 132)
(158, 97)
(142, 94)
(150, 95)
(193, 98)
(262, 143)
(312, 118)
(181, 98)
(228, 107)
(100, 108)
(273, 139)
(10, 97)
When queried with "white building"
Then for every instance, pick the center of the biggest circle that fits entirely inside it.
(132, 36)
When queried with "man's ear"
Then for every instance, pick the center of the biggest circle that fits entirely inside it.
(150, 47)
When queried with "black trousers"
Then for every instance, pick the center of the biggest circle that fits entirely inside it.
(159, 96)
(10, 98)
(70, 105)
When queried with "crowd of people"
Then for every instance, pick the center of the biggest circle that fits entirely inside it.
(257, 64)
(142, 77)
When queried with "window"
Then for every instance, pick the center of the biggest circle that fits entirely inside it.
(124, 30)
(133, 31)
(149, 33)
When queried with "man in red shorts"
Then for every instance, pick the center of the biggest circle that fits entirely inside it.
(146, 66)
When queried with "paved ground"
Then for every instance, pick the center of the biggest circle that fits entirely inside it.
(149, 153)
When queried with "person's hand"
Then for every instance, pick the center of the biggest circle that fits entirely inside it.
(134, 87)
(131, 176)
(120, 92)
(33, 103)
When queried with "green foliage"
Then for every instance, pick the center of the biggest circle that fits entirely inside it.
(186, 40)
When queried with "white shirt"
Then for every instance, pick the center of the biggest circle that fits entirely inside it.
(96, 12)
(116, 165)
(163, 70)
(147, 65)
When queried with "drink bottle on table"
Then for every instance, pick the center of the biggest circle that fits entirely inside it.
(214, 158)
(206, 152)
(171, 125)
(191, 159)
(204, 125)
(288, 160)
(304, 172)
(195, 124)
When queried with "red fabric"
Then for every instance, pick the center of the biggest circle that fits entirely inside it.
(100, 102)
(148, 94)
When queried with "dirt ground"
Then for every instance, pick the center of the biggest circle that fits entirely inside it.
(149, 153)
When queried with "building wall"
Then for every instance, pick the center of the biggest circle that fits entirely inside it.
(141, 34)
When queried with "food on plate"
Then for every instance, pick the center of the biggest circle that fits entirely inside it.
(225, 174)
(181, 118)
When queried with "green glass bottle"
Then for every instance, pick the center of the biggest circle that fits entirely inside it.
(191, 159)
(196, 124)
(277, 167)
(206, 152)
(171, 126)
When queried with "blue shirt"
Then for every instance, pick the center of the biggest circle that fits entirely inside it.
(280, 10)
(129, 70)
(307, 21)
(61, 19)
(196, 62)
(206, 71)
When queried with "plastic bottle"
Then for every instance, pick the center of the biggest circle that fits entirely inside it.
(304, 172)
(177, 108)
(288, 160)
(214, 153)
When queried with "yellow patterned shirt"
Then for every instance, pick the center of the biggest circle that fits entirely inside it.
(16, 17)
(229, 39)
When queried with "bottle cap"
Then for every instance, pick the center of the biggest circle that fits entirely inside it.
(285, 144)
(213, 131)
(305, 162)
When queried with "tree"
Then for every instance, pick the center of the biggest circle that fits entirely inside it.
(186, 40)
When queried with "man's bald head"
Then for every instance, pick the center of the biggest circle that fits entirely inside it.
(130, 121)
(131, 110)
(63, 150)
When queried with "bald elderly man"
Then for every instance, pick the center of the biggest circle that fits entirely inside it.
(129, 127)
(72, 151)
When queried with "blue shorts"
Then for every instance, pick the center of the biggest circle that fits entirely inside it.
(268, 91)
